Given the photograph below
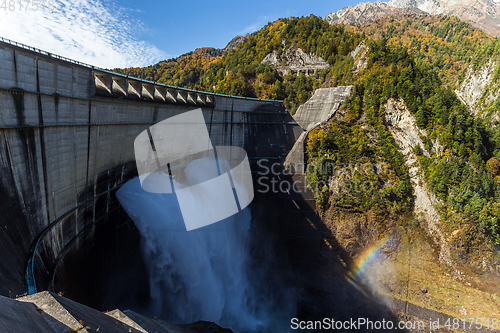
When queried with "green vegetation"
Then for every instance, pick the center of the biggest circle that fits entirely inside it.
(444, 42)
(488, 108)
(417, 59)
(183, 71)
(242, 73)
(484, 54)
(463, 177)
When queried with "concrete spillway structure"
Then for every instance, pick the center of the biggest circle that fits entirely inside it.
(66, 145)
(317, 111)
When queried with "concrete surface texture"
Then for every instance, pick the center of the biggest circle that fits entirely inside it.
(21, 317)
(296, 159)
(46, 312)
(316, 111)
(66, 144)
(321, 106)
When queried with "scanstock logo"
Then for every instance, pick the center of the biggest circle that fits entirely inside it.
(176, 156)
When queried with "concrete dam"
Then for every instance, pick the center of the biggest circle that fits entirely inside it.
(67, 133)
(67, 146)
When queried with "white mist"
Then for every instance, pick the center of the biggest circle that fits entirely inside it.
(199, 274)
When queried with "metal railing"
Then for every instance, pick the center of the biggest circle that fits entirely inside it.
(48, 54)
(107, 71)
(29, 276)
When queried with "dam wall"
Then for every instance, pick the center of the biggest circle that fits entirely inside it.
(66, 145)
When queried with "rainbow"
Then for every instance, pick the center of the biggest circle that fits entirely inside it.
(365, 259)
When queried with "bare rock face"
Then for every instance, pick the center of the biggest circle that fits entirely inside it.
(294, 56)
(476, 91)
(233, 43)
(295, 60)
(359, 56)
(321, 106)
(483, 14)
(403, 128)
(367, 12)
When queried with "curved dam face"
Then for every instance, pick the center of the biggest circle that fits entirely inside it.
(67, 133)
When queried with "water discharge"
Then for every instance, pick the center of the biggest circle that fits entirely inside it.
(201, 274)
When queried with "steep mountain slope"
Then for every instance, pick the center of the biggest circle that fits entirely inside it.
(185, 70)
(484, 14)
(308, 40)
(406, 164)
(404, 158)
(479, 90)
(233, 43)
(367, 12)
(242, 72)
(443, 42)
(479, 87)
(403, 127)
(457, 154)
(465, 58)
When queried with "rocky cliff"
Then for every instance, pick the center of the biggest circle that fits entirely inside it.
(404, 129)
(367, 12)
(359, 56)
(295, 60)
(233, 43)
(479, 91)
(419, 262)
(484, 14)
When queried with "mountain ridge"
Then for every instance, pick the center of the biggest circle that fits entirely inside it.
(367, 12)
(233, 43)
(483, 14)
(405, 70)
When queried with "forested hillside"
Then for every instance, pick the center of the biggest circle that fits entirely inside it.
(241, 72)
(418, 59)
(183, 71)
(464, 177)
(444, 42)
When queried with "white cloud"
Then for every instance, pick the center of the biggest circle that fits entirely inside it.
(84, 30)
(258, 24)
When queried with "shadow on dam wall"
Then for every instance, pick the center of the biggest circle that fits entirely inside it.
(101, 266)
(67, 146)
(104, 269)
(288, 223)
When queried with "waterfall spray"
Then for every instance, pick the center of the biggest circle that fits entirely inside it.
(199, 274)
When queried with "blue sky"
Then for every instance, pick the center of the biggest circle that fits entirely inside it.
(139, 33)
(178, 27)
